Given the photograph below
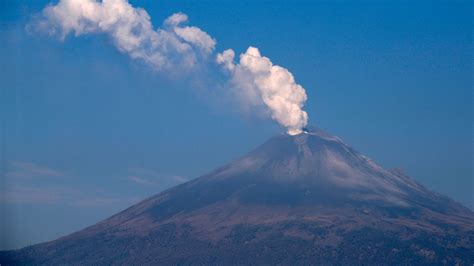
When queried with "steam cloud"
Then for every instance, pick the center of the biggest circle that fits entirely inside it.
(178, 46)
(131, 31)
(259, 80)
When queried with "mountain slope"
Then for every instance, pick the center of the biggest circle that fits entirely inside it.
(308, 198)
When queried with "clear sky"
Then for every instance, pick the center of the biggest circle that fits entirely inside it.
(87, 131)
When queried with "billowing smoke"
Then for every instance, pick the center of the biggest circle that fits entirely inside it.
(259, 80)
(177, 46)
(130, 29)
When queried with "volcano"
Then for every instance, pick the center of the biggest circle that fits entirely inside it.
(303, 199)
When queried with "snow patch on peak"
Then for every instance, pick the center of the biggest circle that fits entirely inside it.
(318, 133)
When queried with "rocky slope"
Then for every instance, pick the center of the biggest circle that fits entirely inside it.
(304, 199)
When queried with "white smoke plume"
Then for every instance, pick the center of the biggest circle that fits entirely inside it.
(130, 29)
(259, 80)
(176, 46)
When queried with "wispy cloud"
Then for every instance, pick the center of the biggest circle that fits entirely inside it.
(103, 201)
(179, 179)
(33, 183)
(140, 180)
(28, 195)
(28, 183)
(150, 177)
(57, 195)
(19, 169)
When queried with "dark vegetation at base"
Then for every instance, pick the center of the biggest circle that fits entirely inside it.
(256, 245)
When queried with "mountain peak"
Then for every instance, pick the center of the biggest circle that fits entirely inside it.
(309, 196)
(315, 131)
(322, 164)
(312, 131)
(316, 160)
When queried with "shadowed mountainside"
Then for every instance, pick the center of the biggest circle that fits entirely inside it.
(305, 199)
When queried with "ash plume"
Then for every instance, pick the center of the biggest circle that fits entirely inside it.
(130, 29)
(176, 46)
(259, 81)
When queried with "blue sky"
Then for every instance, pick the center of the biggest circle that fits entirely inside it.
(87, 131)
